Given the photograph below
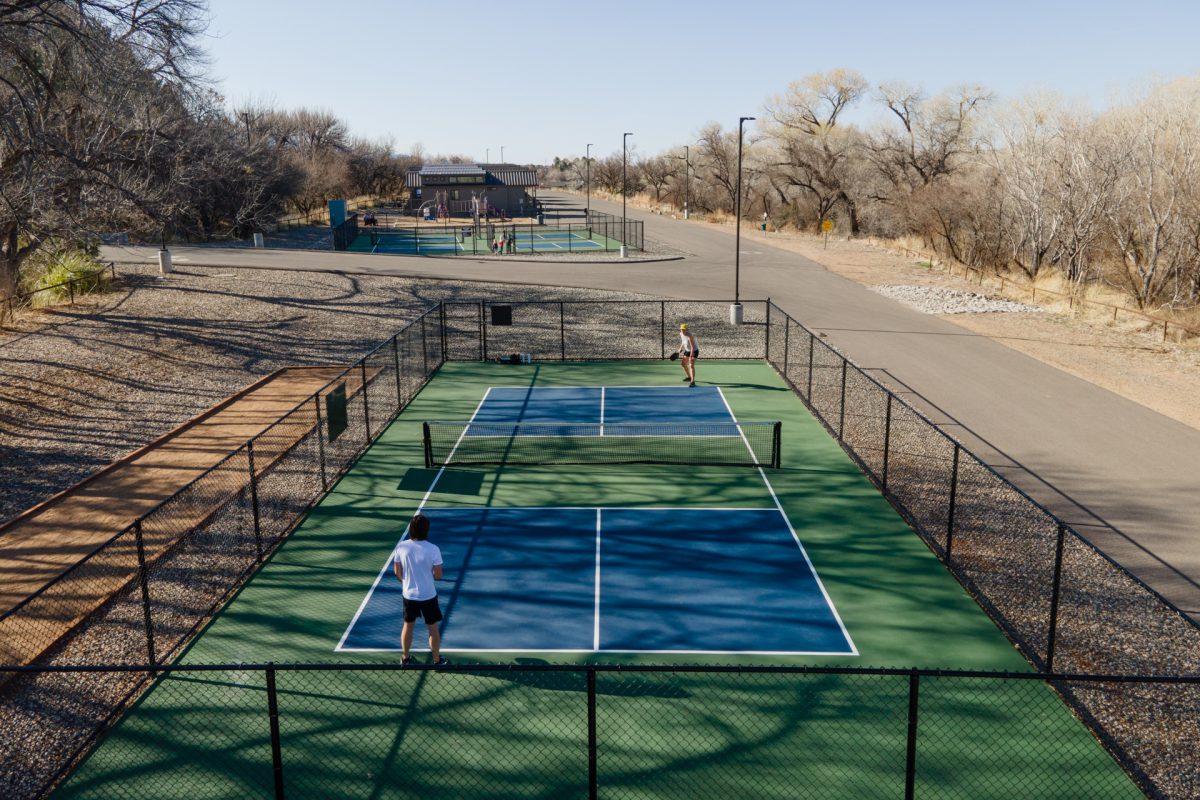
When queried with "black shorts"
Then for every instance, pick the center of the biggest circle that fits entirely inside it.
(693, 354)
(429, 610)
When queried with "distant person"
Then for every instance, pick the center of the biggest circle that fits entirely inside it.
(495, 244)
(502, 245)
(688, 351)
(417, 563)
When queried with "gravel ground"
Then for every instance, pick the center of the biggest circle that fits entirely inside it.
(931, 300)
(83, 385)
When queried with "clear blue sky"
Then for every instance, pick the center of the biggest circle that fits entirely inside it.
(544, 78)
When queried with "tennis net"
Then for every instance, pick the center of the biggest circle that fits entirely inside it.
(727, 444)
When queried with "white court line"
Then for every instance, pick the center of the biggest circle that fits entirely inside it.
(788, 522)
(566, 650)
(424, 500)
(596, 617)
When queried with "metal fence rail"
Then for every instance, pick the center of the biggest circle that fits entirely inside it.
(9, 305)
(617, 723)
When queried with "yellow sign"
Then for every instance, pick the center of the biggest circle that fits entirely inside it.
(827, 225)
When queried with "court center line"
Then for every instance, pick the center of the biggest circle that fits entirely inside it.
(375, 584)
(596, 616)
(795, 537)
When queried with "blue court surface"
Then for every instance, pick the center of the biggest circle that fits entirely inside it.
(603, 404)
(617, 580)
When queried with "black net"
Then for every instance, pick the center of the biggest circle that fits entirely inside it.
(697, 443)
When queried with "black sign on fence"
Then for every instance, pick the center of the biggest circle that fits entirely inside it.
(335, 410)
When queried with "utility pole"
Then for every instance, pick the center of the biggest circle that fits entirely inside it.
(735, 311)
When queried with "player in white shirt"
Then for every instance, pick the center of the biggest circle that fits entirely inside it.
(418, 563)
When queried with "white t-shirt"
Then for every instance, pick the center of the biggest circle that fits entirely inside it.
(685, 341)
(417, 560)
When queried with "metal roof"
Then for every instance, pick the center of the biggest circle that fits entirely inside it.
(494, 174)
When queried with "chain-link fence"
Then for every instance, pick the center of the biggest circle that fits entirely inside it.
(1064, 603)
(466, 731)
(137, 599)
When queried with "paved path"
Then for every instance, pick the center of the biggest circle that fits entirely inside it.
(1124, 475)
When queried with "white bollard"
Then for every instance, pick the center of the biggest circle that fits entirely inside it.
(258, 240)
(164, 261)
(622, 251)
(735, 314)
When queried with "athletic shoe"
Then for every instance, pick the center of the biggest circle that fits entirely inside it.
(692, 385)
(685, 380)
(441, 662)
(404, 662)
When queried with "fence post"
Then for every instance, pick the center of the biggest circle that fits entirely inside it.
(910, 768)
(424, 349)
(842, 407)
(276, 748)
(787, 343)
(483, 330)
(396, 360)
(144, 580)
(593, 782)
(562, 332)
(254, 498)
(767, 338)
(366, 402)
(811, 342)
(887, 440)
(442, 318)
(662, 310)
(953, 502)
(1054, 595)
(71, 290)
(320, 441)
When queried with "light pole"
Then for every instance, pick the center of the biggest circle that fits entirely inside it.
(735, 310)
(501, 154)
(588, 158)
(687, 168)
(487, 158)
(624, 191)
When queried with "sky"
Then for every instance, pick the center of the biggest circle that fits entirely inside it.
(542, 79)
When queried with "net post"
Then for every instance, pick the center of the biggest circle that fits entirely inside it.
(428, 445)
(910, 765)
(663, 322)
(1052, 634)
(276, 747)
(887, 440)
(254, 499)
(593, 782)
(562, 331)
(776, 445)
(366, 402)
(767, 335)
(842, 406)
(144, 581)
(811, 343)
(953, 501)
(396, 361)
(320, 442)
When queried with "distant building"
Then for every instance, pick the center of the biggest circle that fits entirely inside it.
(456, 189)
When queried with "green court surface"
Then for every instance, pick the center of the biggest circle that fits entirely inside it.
(442, 244)
(412, 733)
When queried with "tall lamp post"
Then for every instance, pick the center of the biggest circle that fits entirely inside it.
(687, 169)
(735, 310)
(501, 154)
(588, 158)
(624, 191)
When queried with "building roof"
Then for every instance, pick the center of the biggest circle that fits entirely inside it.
(494, 174)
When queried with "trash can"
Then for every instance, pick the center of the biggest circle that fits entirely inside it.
(763, 227)
(541, 219)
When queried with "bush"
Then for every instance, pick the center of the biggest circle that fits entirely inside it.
(48, 271)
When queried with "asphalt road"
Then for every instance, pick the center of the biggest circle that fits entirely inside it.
(1123, 475)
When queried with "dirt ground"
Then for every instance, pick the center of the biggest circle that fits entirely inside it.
(1133, 363)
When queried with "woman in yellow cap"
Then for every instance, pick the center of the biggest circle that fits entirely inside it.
(689, 351)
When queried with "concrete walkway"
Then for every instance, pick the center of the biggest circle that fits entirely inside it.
(1124, 475)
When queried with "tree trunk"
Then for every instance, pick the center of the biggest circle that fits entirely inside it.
(10, 261)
